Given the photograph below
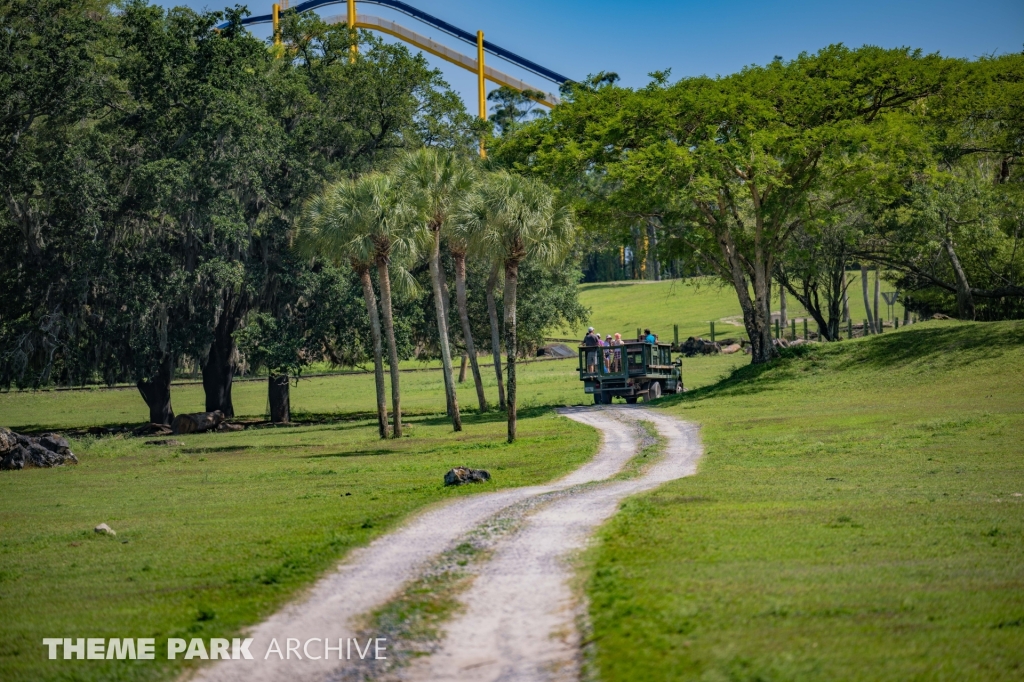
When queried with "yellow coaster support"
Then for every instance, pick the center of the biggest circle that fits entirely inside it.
(352, 24)
(481, 85)
(276, 14)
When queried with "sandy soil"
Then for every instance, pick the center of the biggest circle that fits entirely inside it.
(518, 622)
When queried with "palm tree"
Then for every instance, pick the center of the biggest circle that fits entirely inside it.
(492, 314)
(435, 180)
(524, 219)
(332, 227)
(466, 233)
(470, 233)
(384, 223)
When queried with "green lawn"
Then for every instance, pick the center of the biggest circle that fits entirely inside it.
(218, 533)
(691, 303)
(854, 517)
(858, 516)
(547, 382)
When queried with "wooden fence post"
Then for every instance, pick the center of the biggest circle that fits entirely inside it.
(712, 331)
(849, 328)
(776, 328)
(793, 325)
(866, 330)
(675, 333)
(805, 329)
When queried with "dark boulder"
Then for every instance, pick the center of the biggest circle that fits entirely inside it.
(462, 475)
(48, 450)
(698, 346)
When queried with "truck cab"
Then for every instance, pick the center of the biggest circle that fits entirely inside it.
(635, 369)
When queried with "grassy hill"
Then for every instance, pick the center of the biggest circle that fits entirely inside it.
(859, 515)
(690, 303)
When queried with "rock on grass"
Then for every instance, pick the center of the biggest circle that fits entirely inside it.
(48, 450)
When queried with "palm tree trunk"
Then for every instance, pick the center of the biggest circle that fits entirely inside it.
(446, 299)
(467, 333)
(511, 342)
(867, 301)
(389, 329)
(442, 332)
(378, 361)
(492, 313)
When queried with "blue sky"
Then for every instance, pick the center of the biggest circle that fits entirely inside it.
(578, 38)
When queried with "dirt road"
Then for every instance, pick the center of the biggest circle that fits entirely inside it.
(519, 617)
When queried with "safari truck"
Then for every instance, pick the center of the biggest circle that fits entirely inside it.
(636, 369)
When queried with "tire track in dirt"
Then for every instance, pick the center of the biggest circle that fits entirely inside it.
(520, 616)
(371, 576)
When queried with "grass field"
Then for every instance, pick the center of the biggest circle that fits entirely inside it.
(854, 517)
(624, 306)
(858, 516)
(542, 383)
(216, 534)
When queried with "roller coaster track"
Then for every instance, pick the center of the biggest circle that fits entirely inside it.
(433, 47)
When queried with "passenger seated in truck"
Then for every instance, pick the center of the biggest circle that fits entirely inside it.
(649, 337)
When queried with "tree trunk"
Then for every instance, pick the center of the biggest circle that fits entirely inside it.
(812, 304)
(755, 319)
(279, 398)
(198, 422)
(156, 391)
(492, 313)
(378, 360)
(846, 297)
(442, 331)
(878, 320)
(964, 298)
(219, 370)
(384, 276)
(783, 319)
(446, 301)
(867, 301)
(511, 342)
(654, 267)
(463, 366)
(467, 332)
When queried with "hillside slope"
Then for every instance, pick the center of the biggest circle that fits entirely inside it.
(690, 303)
(859, 515)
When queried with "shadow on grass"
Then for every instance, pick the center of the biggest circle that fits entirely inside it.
(955, 343)
(490, 416)
(220, 448)
(355, 453)
(952, 344)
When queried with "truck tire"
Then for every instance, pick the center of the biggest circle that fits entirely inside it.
(654, 392)
(598, 398)
(631, 399)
